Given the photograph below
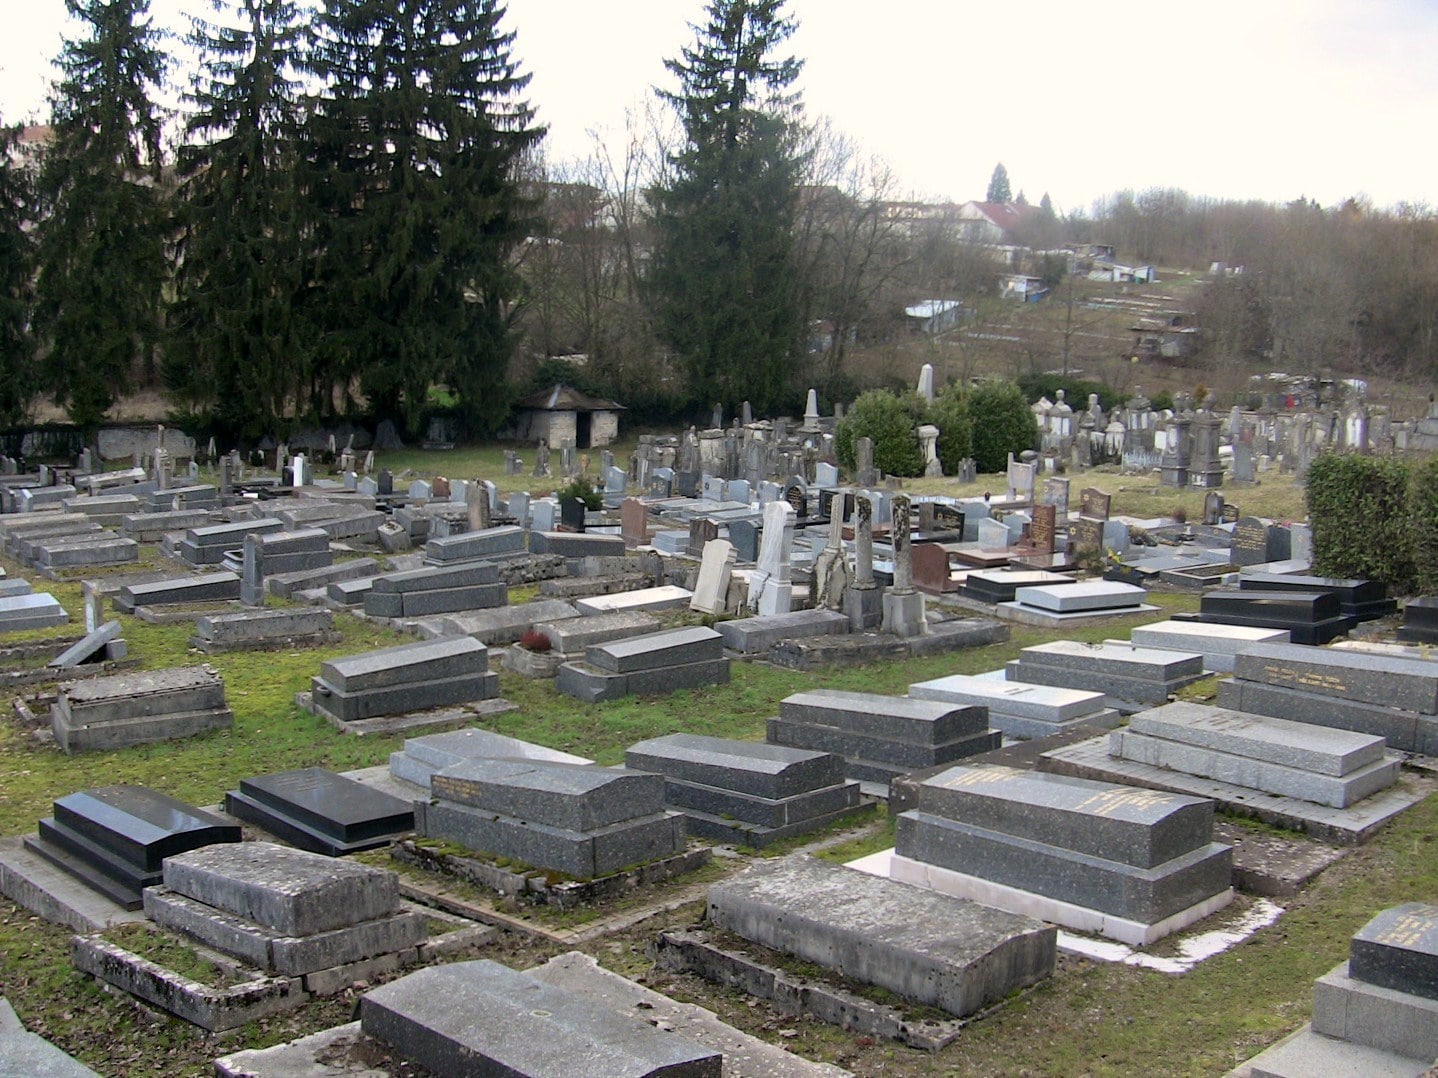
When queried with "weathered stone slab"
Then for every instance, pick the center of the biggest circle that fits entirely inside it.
(207, 588)
(1218, 644)
(895, 718)
(416, 604)
(140, 694)
(36, 610)
(291, 891)
(1406, 731)
(1012, 698)
(483, 1018)
(1081, 597)
(672, 647)
(1122, 660)
(449, 656)
(284, 585)
(942, 951)
(1408, 684)
(92, 647)
(110, 550)
(27, 1055)
(150, 527)
(756, 635)
(592, 685)
(755, 768)
(423, 756)
(574, 636)
(575, 544)
(574, 797)
(506, 624)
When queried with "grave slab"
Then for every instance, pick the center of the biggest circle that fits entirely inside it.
(423, 756)
(320, 811)
(664, 597)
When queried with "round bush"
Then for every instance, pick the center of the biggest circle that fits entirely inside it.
(1002, 424)
(889, 422)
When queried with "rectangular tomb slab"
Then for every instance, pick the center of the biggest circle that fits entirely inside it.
(898, 718)
(924, 946)
(320, 811)
(755, 768)
(480, 1018)
(1133, 826)
(573, 636)
(450, 656)
(139, 824)
(292, 891)
(1398, 949)
(570, 796)
(1042, 702)
(1122, 660)
(1406, 684)
(1298, 745)
(423, 756)
(665, 597)
(1082, 597)
(654, 651)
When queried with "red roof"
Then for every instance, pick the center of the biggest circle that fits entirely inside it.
(1006, 215)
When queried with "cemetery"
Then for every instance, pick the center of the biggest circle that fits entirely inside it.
(885, 756)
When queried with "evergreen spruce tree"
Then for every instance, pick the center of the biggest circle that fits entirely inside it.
(17, 268)
(417, 141)
(999, 190)
(102, 256)
(723, 276)
(234, 344)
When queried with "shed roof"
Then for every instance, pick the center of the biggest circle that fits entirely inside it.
(563, 398)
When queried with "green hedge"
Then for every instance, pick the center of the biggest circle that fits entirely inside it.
(1362, 513)
(888, 421)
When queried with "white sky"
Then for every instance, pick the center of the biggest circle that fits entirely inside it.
(1263, 99)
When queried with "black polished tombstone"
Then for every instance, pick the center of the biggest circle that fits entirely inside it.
(320, 811)
(744, 534)
(114, 838)
(1311, 617)
(571, 513)
(1363, 600)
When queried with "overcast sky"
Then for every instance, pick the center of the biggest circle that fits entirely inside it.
(1267, 99)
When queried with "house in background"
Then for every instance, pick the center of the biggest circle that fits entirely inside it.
(934, 316)
(562, 414)
(1168, 336)
(1023, 287)
(992, 222)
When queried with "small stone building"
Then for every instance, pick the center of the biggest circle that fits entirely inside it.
(562, 413)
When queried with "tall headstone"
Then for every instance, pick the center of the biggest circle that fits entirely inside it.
(770, 591)
(926, 382)
(715, 569)
(903, 604)
(864, 473)
(811, 411)
(831, 570)
(477, 507)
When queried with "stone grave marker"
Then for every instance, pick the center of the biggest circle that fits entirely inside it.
(1094, 503)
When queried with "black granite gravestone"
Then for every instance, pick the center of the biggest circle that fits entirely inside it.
(114, 838)
(320, 811)
(571, 513)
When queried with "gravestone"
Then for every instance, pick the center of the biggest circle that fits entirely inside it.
(770, 589)
(320, 811)
(571, 514)
(114, 839)
(1213, 507)
(1042, 529)
(903, 604)
(1094, 503)
(138, 708)
(1056, 494)
(1250, 544)
(715, 568)
(701, 531)
(744, 534)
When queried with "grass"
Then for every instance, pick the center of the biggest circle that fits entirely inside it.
(1090, 1019)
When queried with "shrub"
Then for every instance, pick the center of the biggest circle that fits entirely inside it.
(1423, 507)
(889, 422)
(580, 487)
(1002, 424)
(1362, 519)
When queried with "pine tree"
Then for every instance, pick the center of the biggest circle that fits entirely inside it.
(999, 185)
(723, 274)
(102, 258)
(234, 342)
(417, 144)
(17, 268)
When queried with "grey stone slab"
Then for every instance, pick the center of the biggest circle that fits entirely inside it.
(1141, 828)
(755, 635)
(892, 718)
(29, 1055)
(140, 694)
(573, 797)
(37, 610)
(436, 577)
(664, 597)
(592, 685)
(753, 768)
(92, 645)
(582, 854)
(423, 756)
(506, 624)
(448, 656)
(470, 546)
(252, 626)
(284, 585)
(108, 551)
(1307, 1054)
(1406, 731)
(1398, 949)
(426, 695)
(414, 604)
(1081, 597)
(350, 592)
(573, 636)
(220, 537)
(475, 1018)
(292, 891)
(276, 952)
(575, 544)
(1124, 660)
(209, 587)
(1042, 703)
(1295, 745)
(1409, 684)
(762, 814)
(1362, 1013)
(744, 1056)
(921, 945)
(1124, 693)
(74, 735)
(1147, 895)
(672, 647)
(901, 755)
(1239, 770)
(149, 527)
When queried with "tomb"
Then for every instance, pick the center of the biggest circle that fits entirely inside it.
(1019, 710)
(30, 610)
(1361, 600)
(1218, 644)
(1134, 865)
(571, 636)
(260, 630)
(1391, 697)
(178, 591)
(576, 819)
(285, 585)
(501, 624)
(1377, 1013)
(421, 757)
(136, 708)
(756, 635)
(881, 737)
(745, 792)
(1309, 617)
(208, 545)
(402, 680)
(1420, 621)
(641, 665)
(436, 590)
(923, 946)
(113, 839)
(484, 544)
(1054, 605)
(1131, 677)
(995, 586)
(320, 811)
(664, 597)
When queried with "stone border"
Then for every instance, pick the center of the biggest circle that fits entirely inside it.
(695, 951)
(425, 721)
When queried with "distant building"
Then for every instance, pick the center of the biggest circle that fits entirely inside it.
(1171, 336)
(934, 316)
(993, 222)
(563, 414)
(1021, 286)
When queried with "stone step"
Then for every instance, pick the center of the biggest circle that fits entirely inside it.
(1356, 1012)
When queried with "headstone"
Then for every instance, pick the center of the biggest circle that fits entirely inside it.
(571, 513)
(865, 474)
(1056, 494)
(1094, 504)
(903, 605)
(715, 568)
(769, 584)
(1213, 507)
(1042, 529)
(926, 383)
